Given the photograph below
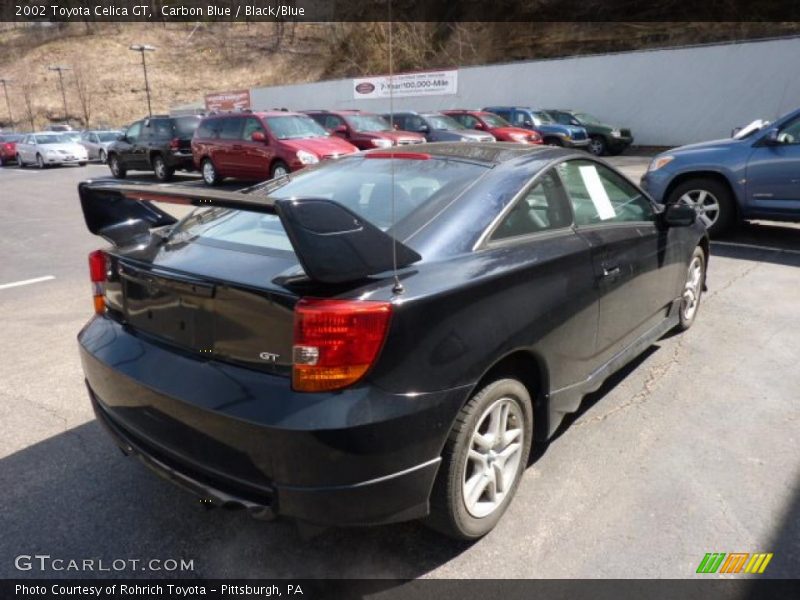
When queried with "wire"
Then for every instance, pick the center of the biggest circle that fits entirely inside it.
(398, 287)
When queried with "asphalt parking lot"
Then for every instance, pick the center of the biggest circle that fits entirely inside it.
(694, 448)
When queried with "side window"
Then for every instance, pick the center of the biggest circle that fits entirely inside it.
(400, 121)
(231, 129)
(251, 125)
(468, 121)
(413, 123)
(158, 129)
(506, 114)
(542, 208)
(791, 133)
(564, 118)
(523, 119)
(134, 132)
(332, 122)
(599, 195)
(208, 129)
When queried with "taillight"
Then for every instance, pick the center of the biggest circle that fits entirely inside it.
(98, 268)
(336, 341)
(175, 144)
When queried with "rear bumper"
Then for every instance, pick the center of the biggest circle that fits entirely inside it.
(238, 437)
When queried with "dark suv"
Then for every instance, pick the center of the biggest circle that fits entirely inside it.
(160, 144)
(604, 138)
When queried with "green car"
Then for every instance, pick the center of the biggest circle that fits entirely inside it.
(605, 139)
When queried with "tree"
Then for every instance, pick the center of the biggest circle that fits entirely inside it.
(85, 94)
(27, 98)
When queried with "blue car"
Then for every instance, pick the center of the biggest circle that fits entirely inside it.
(553, 133)
(754, 175)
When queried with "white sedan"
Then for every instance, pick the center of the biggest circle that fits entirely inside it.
(49, 148)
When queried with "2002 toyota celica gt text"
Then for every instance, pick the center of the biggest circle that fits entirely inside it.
(260, 353)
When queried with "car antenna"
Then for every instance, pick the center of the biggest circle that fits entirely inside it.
(398, 286)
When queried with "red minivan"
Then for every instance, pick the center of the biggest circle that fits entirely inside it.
(365, 130)
(261, 145)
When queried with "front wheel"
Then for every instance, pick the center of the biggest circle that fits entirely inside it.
(483, 461)
(117, 170)
(20, 162)
(597, 145)
(40, 161)
(209, 171)
(279, 169)
(692, 289)
(102, 157)
(712, 201)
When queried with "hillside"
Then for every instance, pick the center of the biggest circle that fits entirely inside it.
(105, 85)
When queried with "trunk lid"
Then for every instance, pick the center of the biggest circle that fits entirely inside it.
(238, 316)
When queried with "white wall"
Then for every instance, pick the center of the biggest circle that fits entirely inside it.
(667, 97)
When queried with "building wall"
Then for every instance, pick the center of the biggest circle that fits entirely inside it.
(667, 97)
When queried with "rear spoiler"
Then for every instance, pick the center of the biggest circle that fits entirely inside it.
(332, 243)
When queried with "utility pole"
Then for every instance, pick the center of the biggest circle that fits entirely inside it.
(142, 48)
(61, 69)
(5, 83)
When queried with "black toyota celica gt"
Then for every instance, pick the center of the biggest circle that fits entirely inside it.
(381, 337)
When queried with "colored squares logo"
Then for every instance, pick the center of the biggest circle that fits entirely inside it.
(735, 562)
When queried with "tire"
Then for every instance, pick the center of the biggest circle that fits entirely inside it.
(160, 168)
(102, 157)
(39, 162)
(711, 199)
(116, 168)
(692, 289)
(279, 169)
(470, 438)
(551, 141)
(20, 162)
(209, 172)
(597, 145)
(82, 164)
(2, 162)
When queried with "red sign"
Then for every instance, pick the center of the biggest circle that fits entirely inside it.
(237, 100)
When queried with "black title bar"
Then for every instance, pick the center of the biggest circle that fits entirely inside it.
(399, 10)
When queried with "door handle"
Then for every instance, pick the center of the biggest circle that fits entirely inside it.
(611, 271)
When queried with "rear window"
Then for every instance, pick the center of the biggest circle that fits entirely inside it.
(362, 185)
(185, 126)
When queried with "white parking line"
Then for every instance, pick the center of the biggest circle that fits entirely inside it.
(26, 282)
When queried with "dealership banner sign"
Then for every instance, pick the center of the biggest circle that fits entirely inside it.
(238, 100)
(420, 83)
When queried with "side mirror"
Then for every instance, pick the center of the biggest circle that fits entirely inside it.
(423, 129)
(735, 130)
(121, 137)
(340, 130)
(772, 138)
(679, 215)
(258, 136)
(527, 123)
(479, 126)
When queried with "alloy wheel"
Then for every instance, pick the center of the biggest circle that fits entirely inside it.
(160, 168)
(280, 171)
(209, 174)
(596, 146)
(493, 458)
(693, 288)
(705, 204)
(39, 161)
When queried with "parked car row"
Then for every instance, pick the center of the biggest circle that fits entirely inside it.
(269, 144)
(43, 145)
